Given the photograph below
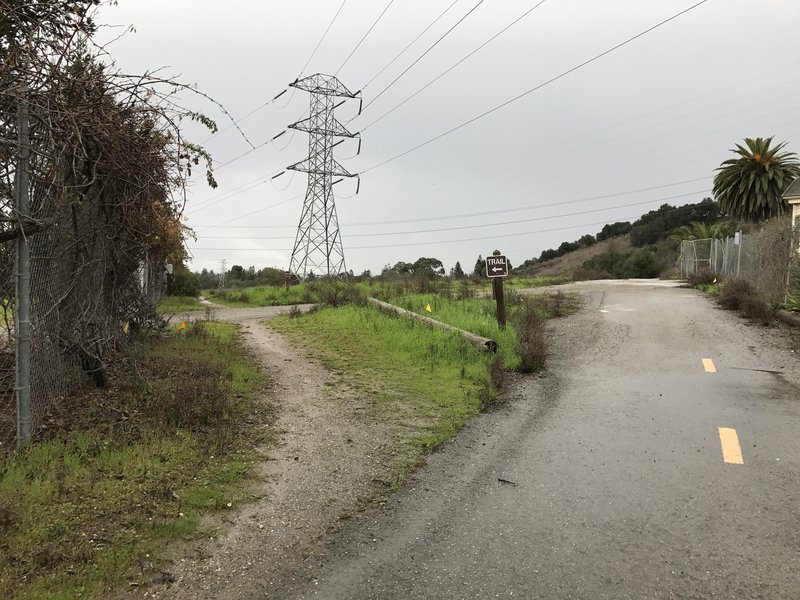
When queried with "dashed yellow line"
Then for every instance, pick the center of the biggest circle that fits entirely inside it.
(708, 365)
(731, 450)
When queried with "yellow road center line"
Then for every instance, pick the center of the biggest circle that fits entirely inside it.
(731, 451)
(708, 365)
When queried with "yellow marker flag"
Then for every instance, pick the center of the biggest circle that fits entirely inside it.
(428, 308)
(181, 325)
(125, 328)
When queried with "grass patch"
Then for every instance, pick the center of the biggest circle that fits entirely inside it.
(479, 315)
(179, 304)
(84, 512)
(265, 295)
(306, 293)
(424, 383)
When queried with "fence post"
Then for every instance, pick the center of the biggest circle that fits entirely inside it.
(22, 307)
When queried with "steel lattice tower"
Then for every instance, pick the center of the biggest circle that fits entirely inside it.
(318, 244)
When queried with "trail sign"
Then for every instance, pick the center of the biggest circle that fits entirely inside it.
(496, 266)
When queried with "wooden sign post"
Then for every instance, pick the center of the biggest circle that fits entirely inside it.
(496, 269)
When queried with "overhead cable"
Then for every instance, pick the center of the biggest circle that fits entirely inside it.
(411, 43)
(319, 43)
(361, 41)
(533, 89)
(438, 77)
(421, 56)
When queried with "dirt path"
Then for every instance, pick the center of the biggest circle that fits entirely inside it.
(321, 471)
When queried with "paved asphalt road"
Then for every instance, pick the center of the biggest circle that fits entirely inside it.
(607, 477)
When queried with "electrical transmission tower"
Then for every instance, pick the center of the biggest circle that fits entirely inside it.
(318, 244)
(223, 269)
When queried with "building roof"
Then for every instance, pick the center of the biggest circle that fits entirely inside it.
(793, 191)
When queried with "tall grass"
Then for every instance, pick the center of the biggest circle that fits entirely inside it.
(381, 288)
(265, 295)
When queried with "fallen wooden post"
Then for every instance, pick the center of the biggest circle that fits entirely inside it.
(478, 341)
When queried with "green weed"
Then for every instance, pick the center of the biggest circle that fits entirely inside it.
(87, 511)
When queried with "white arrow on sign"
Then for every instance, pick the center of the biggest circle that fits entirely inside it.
(496, 269)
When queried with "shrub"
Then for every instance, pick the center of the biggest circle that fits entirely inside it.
(531, 339)
(183, 283)
(734, 291)
(337, 292)
(701, 278)
(756, 309)
(561, 304)
(466, 291)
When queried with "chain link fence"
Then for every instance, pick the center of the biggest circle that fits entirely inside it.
(764, 258)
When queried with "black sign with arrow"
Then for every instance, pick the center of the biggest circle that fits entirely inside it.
(496, 266)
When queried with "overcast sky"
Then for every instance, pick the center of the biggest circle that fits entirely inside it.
(644, 125)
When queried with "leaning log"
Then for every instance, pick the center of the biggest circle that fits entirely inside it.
(478, 341)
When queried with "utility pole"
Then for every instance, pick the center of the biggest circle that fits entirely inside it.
(223, 269)
(318, 244)
(22, 306)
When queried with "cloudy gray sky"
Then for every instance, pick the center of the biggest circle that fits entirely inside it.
(646, 124)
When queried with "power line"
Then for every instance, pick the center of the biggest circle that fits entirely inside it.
(421, 56)
(265, 178)
(361, 41)
(438, 77)
(411, 43)
(498, 211)
(479, 225)
(251, 113)
(281, 93)
(477, 239)
(262, 209)
(533, 89)
(319, 43)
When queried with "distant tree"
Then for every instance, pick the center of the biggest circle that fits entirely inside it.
(749, 187)
(457, 272)
(365, 274)
(402, 268)
(567, 247)
(270, 276)
(207, 279)
(548, 255)
(480, 267)
(236, 272)
(427, 267)
(586, 240)
(183, 283)
(613, 230)
(701, 231)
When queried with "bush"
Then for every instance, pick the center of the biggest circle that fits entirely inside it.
(756, 309)
(735, 292)
(561, 304)
(183, 283)
(701, 278)
(337, 292)
(642, 263)
(531, 339)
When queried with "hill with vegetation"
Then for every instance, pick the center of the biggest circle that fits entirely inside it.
(648, 247)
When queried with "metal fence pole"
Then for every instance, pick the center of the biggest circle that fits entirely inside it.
(739, 255)
(22, 307)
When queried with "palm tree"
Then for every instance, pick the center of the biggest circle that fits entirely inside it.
(749, 187)
(697, 230)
